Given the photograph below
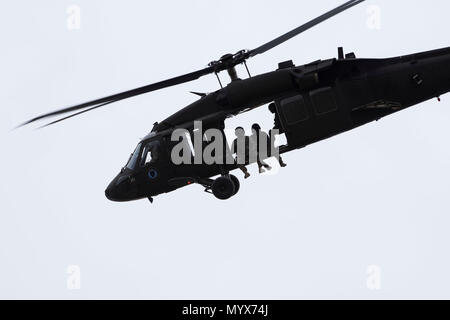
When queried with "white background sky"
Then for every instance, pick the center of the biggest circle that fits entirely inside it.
(374, 196)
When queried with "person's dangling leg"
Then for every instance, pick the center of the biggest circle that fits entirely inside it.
(281, 162)
(244, 170)
(260, 166)
(262, 163)
(266, 165)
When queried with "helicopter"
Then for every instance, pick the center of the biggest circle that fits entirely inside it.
(310, 103)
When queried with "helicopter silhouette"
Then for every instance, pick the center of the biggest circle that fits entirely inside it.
(310, 103)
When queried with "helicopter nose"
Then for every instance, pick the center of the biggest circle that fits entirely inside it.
(111, 192)
(120, 189)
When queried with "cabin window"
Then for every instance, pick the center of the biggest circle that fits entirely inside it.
(323, 101)
(294, 110)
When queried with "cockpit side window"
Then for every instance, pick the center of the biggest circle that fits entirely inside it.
(151, 153)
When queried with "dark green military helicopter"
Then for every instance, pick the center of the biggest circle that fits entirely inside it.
(310, 103)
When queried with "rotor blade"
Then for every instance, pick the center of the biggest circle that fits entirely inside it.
(77, 113)
(124, 95)
(285, 37)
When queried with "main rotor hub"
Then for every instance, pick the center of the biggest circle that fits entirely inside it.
(228, 62)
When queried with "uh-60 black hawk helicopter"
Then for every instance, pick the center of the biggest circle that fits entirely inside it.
(312, 102)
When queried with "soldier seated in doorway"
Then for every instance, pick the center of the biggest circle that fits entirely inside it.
(258, 140)
(277, 123)
(240, 147)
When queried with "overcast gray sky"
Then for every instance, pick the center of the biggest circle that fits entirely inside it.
(362, 215)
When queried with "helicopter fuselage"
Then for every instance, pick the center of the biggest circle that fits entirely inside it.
(313, 102)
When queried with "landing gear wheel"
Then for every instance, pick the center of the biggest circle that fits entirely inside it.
(223, 188)
(236, 183)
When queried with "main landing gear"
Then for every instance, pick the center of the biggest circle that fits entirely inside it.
(224, 187)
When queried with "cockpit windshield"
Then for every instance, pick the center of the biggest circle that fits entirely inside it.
(144, 154)
(134, 157)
